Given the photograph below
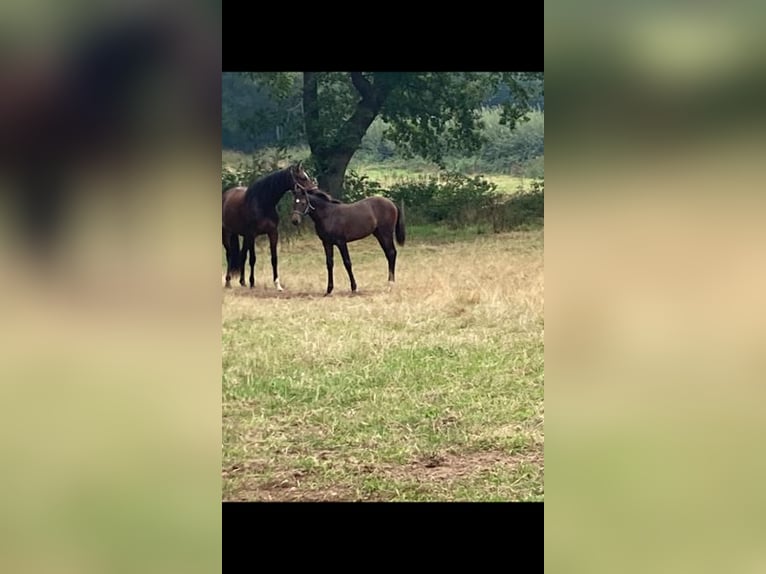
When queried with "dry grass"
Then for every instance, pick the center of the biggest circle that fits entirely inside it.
(429, 390)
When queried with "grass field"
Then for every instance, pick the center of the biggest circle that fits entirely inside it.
(429, 390)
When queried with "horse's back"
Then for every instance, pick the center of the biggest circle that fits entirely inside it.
(232, 192)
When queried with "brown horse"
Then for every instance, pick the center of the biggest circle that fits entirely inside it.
(251, 212)
(338, 223)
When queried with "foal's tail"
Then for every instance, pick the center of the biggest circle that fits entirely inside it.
(400, 224)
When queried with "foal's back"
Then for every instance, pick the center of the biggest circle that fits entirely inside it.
(357, 220)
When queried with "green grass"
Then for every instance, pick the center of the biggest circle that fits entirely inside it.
(429, 390)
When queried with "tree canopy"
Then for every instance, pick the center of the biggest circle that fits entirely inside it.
(427, 114)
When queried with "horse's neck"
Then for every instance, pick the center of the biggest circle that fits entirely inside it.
(271, 199)
(268, 199)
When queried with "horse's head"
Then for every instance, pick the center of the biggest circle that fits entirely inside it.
(301, 205)
(301, 179)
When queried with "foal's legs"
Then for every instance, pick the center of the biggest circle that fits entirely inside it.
(347, 263)
(328, 258)
(386, 241)
(273, 237)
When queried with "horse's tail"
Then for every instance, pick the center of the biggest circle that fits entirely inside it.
(400, 224)
(234, 253)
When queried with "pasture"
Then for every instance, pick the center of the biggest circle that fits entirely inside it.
(428, 390)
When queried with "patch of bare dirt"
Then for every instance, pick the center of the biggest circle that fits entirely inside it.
(445, 467)
(295, 486)
(285, 493)
(434, 468)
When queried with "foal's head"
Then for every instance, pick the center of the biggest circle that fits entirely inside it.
(305, 200)
(301, 205)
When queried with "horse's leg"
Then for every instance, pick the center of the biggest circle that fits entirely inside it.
(251, 250)
(233, 255)
(228, 257)
(386, 241)
(273, 238)
(328, 247)
(347, 263)
(243, 261)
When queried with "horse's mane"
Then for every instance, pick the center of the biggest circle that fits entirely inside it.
(323, 195)
(266, 186)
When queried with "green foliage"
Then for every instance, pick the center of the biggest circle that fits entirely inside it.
(448, 197)
(436, 113)
(526, 208)
(455, 200)
(376, 147)
(358, 187)
(518, 152)
(534, 168)
(382, 116)
(509, 151)
(246, 171)
(336, 98)
(281, 85)
(261, 109)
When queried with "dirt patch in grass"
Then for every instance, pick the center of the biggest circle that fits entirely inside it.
(289, 486)
(435, 469)
(445, 467)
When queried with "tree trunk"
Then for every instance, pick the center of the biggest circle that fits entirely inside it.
(333, 157)
(334, 171)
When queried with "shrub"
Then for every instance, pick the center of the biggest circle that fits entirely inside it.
(447, 197)
(524, 208)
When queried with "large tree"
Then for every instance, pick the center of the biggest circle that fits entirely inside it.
(429, 114)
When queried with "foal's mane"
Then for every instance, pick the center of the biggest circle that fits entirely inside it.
(323, 195)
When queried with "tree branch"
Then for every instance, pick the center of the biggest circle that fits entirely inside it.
(363, 86)
(353, 130)
(311, 111)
